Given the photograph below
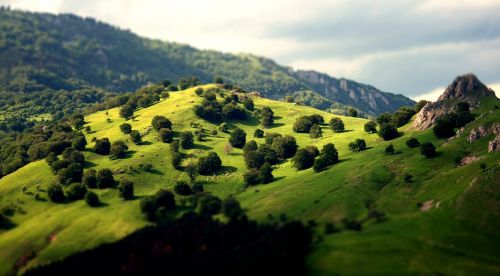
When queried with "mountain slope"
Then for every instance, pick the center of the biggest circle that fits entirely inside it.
(44, 51)
(459, 232)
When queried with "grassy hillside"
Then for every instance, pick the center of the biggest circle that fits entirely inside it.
(458, 235)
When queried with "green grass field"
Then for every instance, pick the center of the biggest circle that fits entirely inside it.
(458, 236)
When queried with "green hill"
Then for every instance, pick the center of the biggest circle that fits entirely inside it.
(445, 220)
(45, 52)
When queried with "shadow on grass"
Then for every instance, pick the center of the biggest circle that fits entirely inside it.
(228, 169)
(129, 154)
(89, 164)
(201, 147)
(154, 171)
(276, 125)
(277, 179)
(145, 143)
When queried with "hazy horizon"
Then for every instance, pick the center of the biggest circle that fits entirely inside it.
(414, 48)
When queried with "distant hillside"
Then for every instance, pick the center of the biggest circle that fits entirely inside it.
(65, 52)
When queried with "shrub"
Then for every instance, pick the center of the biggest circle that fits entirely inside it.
(223, 128)
(197, 188)
(102, 146)
(357, 145)
(302, 125)
(248, 104)
(174, 146)
(352, 112)
(269, 154)
(73, 173)
(192, 171)
(320, 163)
(444, 127)
(126, 190)
(385, 118)
(388, 132)
(125, 128)
(389, 149)
(270, 136)
(126, 112)
(214, 132)
(285, 147)
(92, 199)
(160, 122)
(209, 205)
(79, 142)
(371, 127)
(76, 191)
(266, 173)
(182, 188)
(186, 140)
(209, 164)
(176, 160)
(231, 208)
(73, 156)
(55, 193)
(337, 125)
(428, 150)
(199, 91)
(258, 133)
(135, 136)
(315, 132)
(254, 159)
(51, 158)
(233, 112)
(267, 119)
(105, 179)
(238, 138)
(118, 148)
(251, 177)
(57, 165)
(155, 206)
(316, 119)
(166, 135)
(412, 143)
(313, 149)
(90, 178)
(303, 159)
(330, 154)
(402, 116)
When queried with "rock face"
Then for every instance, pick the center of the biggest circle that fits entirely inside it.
(494, 145)
(477, 133)
(465, 88)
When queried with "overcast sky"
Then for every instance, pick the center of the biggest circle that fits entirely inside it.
(410, 47)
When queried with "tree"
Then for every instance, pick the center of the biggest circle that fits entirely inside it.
(231, 208)
(483, 167)
(357, 145)
(248, 104)
(285, 146)
(254, 159)
(352, 112)
(166, 135)
(316, 119)
(270, 136)
(176, 160)
(159, 122)
(412, 143)
(337, 125)
(135, 136)
(320, 163)
(73, 173)
(385, 118)
(408, 178)
(79, 142)
(237, 138)
(102, 146)
(371, 127)
(187, 140)
(218, 80)
(251, 177)
(428, 150)
(192, 171)
(92, 199)
(313, 149)
(223, 128)
(90, 178)
(330, 154)
(258, 133)
(209, 164)
(266, 173)
(55, 193)
(73, 156)
(267, 119)
(303, 159)
(118, 149)
(228, 149)
(250, 146)
(315, 132)
(76, 191)
(105, 179)
(444, 127)
(126, 112)
(389, 149)
(125, 128)
(209, 205)
(182, 188)
(233, 112)
(126, 190)
(197, 188)
(420, 105)
(388, 132)
(302, 124)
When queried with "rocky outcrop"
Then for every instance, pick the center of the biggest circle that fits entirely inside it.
(465, 88)
(477, 133)
(494, 145)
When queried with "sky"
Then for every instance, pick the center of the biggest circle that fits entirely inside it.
(412, 47)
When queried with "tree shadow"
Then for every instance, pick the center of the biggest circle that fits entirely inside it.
(155, 171)
(277, 117)
(145, 143)
(276, 125)
(6, 224)
(89, 164)
(277, 179)
(129, 154)
(227, 169)
(102, 204)
(201, 147)
(249, 121)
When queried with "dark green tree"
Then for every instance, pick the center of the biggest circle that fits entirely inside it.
(388, 132)
(126, 190)
(105, 179)
(237, 138)
(337, 125)
(92, 199)
(159, 122)
(428, 150)
(118, 149)
(166, 135)
(102, 146)
(371, 127)
(126, 112)
(135, 136)
(125, 128)
(303, 159)
(315, 132)
(187, 140)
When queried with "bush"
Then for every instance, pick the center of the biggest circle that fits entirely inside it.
(444, 128)
(330, 154)
(248, 104)
(126, 190)
(353, 112)
(176, 160)
(209, 164)
(155, 206)
(73, 156)
(105, 179)
(270, 136)
(316, 119)
(92, 199)
(412, 143)
(231, 208)
(186, 140)
(126, 112)
(302, 125)
(73, 173)
(197, 188)
(79, 142)
(55, 193)
(251, 177)
(269, 154)
(238, 138)
(102, 146)
(266, 173)
(182, 188)
(428, 150)
(253, 159)
(371, 127)
(303, 159)
(125, 128)
(135, 136)
(337, 125)
(388, 132)
(118, 148)
(357, 145)
(76, 191)
(258, 133)
(320, 164)
(160, 122)
(315, 132)
(209, 205)
(233, 112)
(192, 171)
(223, 128)
(267, 119)
(389, 149)
(166, 135)
(285, 147)
(313, 149)
(90, 178)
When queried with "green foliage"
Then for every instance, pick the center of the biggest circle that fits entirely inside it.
(187, 140)
(126, 190)
(76, 191)
(238, 138)
(419, 105)
(388, 132)
(192, 171)
(90, 178)
(231, 208)
(357, 145)
(223, 128)
(258, 133)
(166, 135)
(160, 122)
(267, 117)
(233, 112)
(105, 179)
(126, 112)
(266, 173)
(125, 128)
(209, 205)
(182, 188)
(389, 149)
(428, 150)
(315, 132)
(285, 146)
(270, 136)
(118, 149)
(55, 193)
(209, 164)
(337, 125)
(251, 177)
(353, 112)
(92, 199)
(330, 154)
(156, 206)
(320, 163)
(371, 127)
(303, 159)
(302, 125)
(412, 142)
(248, 104)
(136, 137)
(102, 146)
(79, 142)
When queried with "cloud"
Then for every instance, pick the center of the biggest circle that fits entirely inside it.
(405, 46)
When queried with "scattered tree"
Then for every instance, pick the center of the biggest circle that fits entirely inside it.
(76, 191)
(126, 190)
(337, 125)
(320, 163)
(166, 135)
(125, 128)
(182, 188)
(55, 193)
(102, 146)
(258, 133)
(231, 208)
(267, 119)
(186, 140)
(303, 159)
(90, 178)
(389, 149)
(118, 149)
(285, 147)
(209, 164)
(428, 150)
(357, 145)
(266, 173)
(192, 171)
(315, 132)
(238, 138)
(160, 122)
(92, 199)
(388, 132)
(126, 112)
(371, 127)
(353, 112)
(135, 136)
(302, 125)
(330, 154)
(105, 179)
(412, 143)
